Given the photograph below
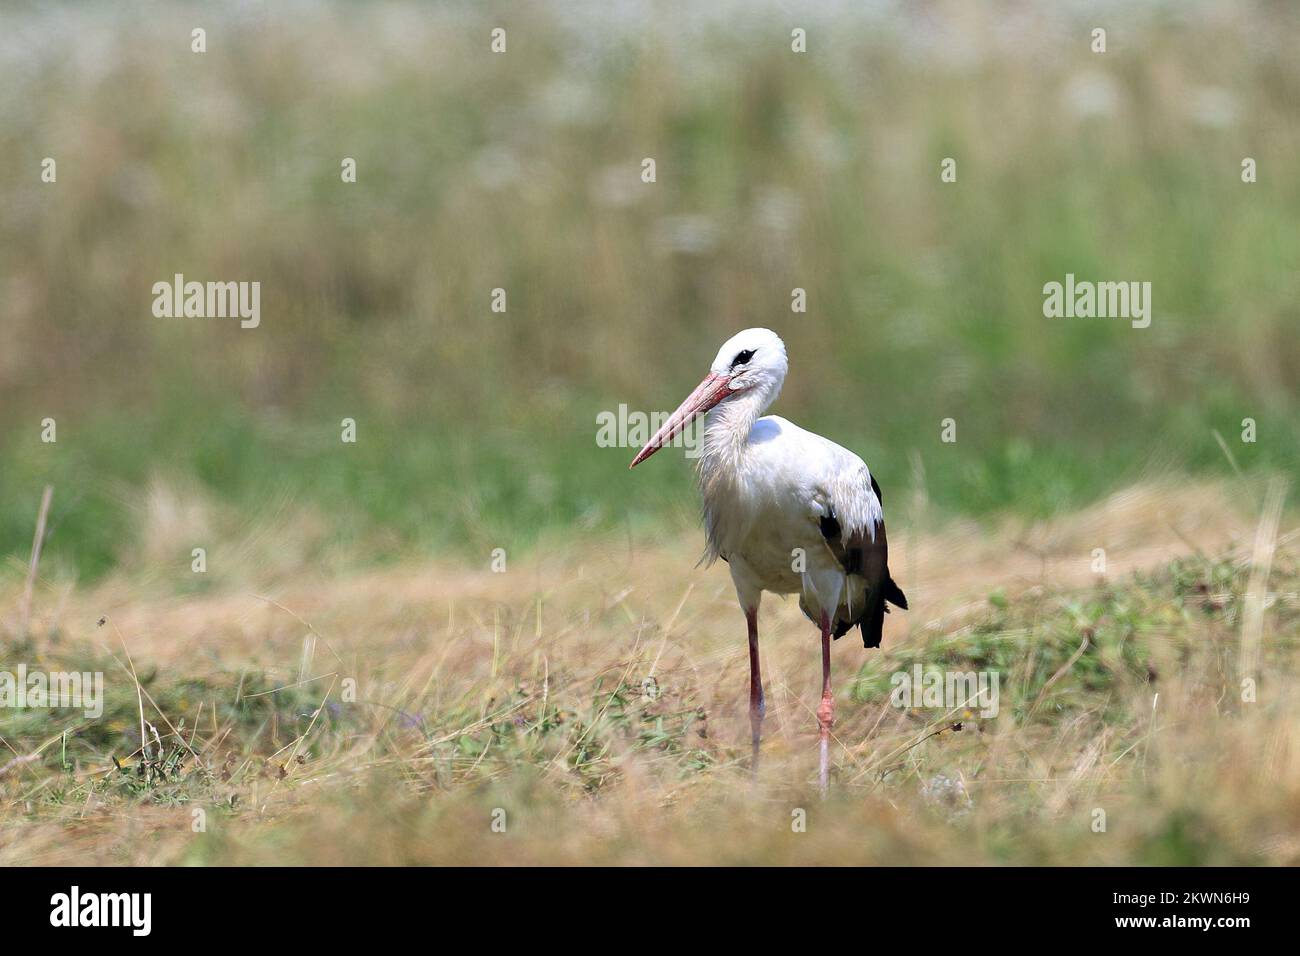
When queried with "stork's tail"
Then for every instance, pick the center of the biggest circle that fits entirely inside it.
(872, 622)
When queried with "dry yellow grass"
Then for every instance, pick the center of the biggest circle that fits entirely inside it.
(545, 664)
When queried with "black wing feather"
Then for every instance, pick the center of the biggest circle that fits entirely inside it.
(867, 558)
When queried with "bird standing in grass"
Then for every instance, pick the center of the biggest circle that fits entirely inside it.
(789, 511)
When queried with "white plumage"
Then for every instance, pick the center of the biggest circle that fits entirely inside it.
(788, 510)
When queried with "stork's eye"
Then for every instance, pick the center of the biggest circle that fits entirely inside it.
(742, 357)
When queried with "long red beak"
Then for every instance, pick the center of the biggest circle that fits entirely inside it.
(708, 393)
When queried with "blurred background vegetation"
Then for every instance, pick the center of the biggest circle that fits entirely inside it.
(522, 171)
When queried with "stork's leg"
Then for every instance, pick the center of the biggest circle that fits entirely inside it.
(826, 710)
(757, 707)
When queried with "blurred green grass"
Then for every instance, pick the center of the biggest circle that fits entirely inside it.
(521, 171)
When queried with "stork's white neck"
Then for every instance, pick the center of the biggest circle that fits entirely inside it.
(722, 463)
(727, 427)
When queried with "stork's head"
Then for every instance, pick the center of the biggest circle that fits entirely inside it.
(750, 364)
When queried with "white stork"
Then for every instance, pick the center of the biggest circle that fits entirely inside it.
(789, 511)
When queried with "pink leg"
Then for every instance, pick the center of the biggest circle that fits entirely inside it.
(826, 710)
(757, 707)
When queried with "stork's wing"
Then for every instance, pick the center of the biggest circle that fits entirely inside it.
(855, 532)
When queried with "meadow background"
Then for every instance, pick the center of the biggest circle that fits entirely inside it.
(476, 430)
(522, 171)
